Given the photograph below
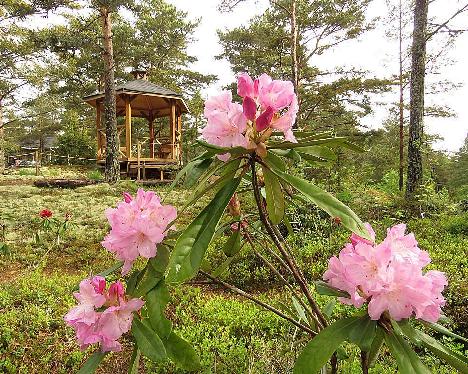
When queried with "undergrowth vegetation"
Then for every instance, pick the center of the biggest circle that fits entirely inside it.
(230, 334)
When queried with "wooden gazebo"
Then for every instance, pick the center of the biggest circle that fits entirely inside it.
(143, 99)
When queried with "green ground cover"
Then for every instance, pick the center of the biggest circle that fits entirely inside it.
(230, 334)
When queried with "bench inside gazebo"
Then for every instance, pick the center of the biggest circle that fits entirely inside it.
(159, 153)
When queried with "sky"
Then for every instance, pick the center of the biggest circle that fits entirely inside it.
(373, 52)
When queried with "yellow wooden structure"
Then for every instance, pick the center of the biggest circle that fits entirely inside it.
(143, 99)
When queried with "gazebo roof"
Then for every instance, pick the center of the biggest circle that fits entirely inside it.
(148, 99)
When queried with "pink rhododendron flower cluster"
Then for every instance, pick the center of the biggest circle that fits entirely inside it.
(267, 104)
(102, 316)
(388, 276)
(137, 226)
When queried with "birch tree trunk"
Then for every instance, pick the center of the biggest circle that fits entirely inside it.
(418, 67)
(112, 169)
(294, 61)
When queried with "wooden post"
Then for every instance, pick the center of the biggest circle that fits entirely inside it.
(138, 160)
(151, 138)
(36, 158)
(98, 131)
(179, 128)
(128, 127)
(173, 128)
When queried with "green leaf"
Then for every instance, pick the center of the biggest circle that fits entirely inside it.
(133, 281)
(323, 288)
(328, 309)
(274, 162)
(154, 271)
(181, 353)
(228, 173)
(274, 196)
(233, 244)
(455, 359)
(407, 360)
(375, 347)
(363, 333)
(148, 341)
(191, 245)
(320, 153)
(92, 363)
(134, 361)
(156, 302)
(197, 169)
(299, 309)
(443, 330)
(317, 352)
(326, 202)
(224, 266)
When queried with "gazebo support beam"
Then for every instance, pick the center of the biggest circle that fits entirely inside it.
(128, 127)
(173, 129)
(151, 137)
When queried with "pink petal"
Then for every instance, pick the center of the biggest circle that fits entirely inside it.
(250, 108)
(264, 119)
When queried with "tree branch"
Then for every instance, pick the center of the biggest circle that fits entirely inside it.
(444, 24)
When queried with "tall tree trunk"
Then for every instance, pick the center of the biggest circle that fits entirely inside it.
(294, 61)
(400, 182)
(418, 67)
(2, 140)
(112, 170)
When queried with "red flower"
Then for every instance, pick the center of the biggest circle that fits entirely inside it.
(45, 213)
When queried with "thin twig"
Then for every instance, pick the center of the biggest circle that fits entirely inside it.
(259, 302)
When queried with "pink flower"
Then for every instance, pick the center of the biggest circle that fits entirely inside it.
(137, 226)
(388, 276)
(226, 122)
(107, 326)
(246, 86)
(275, 94)
(286, 121)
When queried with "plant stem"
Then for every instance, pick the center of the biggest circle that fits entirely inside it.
(364, 362)
(283, 280)
(278, 240)
(259, 302)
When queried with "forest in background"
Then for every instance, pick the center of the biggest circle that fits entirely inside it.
(47, 67)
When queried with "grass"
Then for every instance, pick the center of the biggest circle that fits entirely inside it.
(230, 334)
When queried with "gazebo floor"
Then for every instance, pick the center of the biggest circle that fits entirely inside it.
(154, 169)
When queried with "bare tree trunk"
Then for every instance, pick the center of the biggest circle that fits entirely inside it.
(400, 184)
(418, 67)
(294, 60)
(112, 170)
(2, 140)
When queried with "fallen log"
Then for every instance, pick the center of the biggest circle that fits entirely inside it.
(64, 183)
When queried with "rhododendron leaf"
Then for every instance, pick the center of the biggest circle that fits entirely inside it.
(319, 152)
(317, 352)
(323, 288)
(407, 360)
(299, 309)
(224, 266)
(190, 248)
(216, 150)
(133, 280)
(273, 161)
(330, 142)
(92, 363)
(363, 333)
(194, 173)
(443, 330)
(327, 202)
(274, 196)
(328, 309)
(233, 244)
(153, 272)
(148, 341)
(289, 153)
(375, 347)
(111, 270)
(156, 302)
(228, 172)
(134, 361)
(455, 359)
(181, 353)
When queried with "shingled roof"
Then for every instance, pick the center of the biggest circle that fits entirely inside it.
(145, 88)
(140, 86)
